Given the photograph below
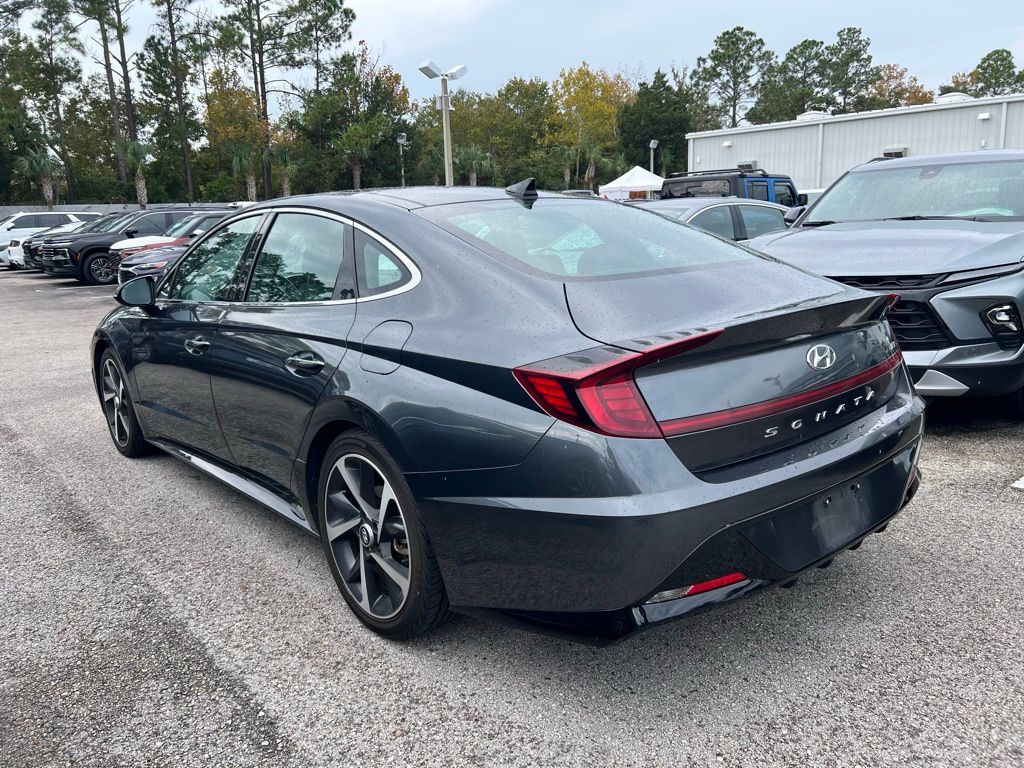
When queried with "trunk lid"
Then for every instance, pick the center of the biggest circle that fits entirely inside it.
(797, 356)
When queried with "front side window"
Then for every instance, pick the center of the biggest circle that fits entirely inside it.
(379, 271)
(987, 191)
(300, 260)
(578, 238)
(25, 222)
(760, 220)
(784, 194)
(718, 221)
(209, 272)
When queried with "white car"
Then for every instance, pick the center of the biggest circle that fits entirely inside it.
(18, 226)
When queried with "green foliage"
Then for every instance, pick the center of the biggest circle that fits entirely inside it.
(732, 71)
(214, 103)
(659, 112)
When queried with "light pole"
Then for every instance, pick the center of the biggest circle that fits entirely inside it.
(431, 70)
(653, 145)
(403, 142)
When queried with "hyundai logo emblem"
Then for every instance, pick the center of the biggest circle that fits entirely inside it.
(821, 357)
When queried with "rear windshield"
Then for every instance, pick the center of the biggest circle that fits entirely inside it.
(579, 238)
(989, 191)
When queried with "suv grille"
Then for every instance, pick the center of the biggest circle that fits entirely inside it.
(47, 251)
(916, 326)
(891, 282)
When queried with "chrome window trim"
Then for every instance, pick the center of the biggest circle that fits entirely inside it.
(397, 252)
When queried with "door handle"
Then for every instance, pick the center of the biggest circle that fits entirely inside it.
(196, 345)
(305, 364)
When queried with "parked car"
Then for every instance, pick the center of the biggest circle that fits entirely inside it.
(756, 184)
(733, 218)
(945, 232)
(16, 227)
(31, 246)
(519, 405)
(579, 193)
(180, 233)
(86, 256)
(153, 262)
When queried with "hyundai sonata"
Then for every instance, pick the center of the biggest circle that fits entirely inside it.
(568, 414)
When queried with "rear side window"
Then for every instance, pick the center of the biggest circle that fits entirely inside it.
(760, 220)
(784, 194)
(578, 238)
(697, 188)
(300, 260)
(718, 221)
(758, 190)
(209, 272)
(51, 219)
(378, 270)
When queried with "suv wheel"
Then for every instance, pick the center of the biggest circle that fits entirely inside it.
(374, 540)
(99, 269)
(119, 409)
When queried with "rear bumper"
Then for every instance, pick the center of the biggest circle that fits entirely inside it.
(586, 566)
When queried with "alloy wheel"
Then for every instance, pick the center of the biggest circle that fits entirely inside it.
(101, 269)
(115, 403)
(367, 536)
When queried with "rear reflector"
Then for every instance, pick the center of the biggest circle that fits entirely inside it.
(595, 389)
(743, 413)
(695, 589)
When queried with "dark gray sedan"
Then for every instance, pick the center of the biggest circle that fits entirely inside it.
(561, 413)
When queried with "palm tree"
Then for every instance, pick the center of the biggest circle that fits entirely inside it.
(136, 155)
(281, 154)
(245, 161)
(357, 143)
(565, 156)
(37, 165)
(666, 159)
(432, 164)
(474, 161)
(591, 157)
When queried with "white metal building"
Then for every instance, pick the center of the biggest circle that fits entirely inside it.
(817, 148)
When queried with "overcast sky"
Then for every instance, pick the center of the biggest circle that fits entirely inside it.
(500, 38)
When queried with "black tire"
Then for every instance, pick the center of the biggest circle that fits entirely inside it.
(119, 411)
(425, 605)
(12, 266)
(98, 268)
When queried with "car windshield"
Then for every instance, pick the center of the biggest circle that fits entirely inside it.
(578, 238)
(987, 191)
(112, 225)
(182, 227)
(93, 225)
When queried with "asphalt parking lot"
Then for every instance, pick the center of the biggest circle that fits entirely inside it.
(151, 616)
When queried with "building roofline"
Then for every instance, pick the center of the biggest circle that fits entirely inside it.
(853, 116)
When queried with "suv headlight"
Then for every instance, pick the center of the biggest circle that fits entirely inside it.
(977, 274)
(15, 243)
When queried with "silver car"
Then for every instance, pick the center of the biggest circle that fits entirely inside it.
(734, 218)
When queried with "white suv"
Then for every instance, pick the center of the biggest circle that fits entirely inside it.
(18, 226)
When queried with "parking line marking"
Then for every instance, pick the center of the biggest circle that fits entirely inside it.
(1019, 485)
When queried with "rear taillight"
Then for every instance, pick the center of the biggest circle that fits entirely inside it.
(736, 577)
(595, 389)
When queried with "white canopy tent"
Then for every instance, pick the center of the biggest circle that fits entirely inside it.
(634, 183)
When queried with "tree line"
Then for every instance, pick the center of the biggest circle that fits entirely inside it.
(271, 97)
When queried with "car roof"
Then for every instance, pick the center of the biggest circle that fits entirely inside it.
(401, 197)
(951, 158)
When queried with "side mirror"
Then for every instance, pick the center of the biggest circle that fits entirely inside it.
(140, 292)
(131, 232)
(793, 214)
(801, 200)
